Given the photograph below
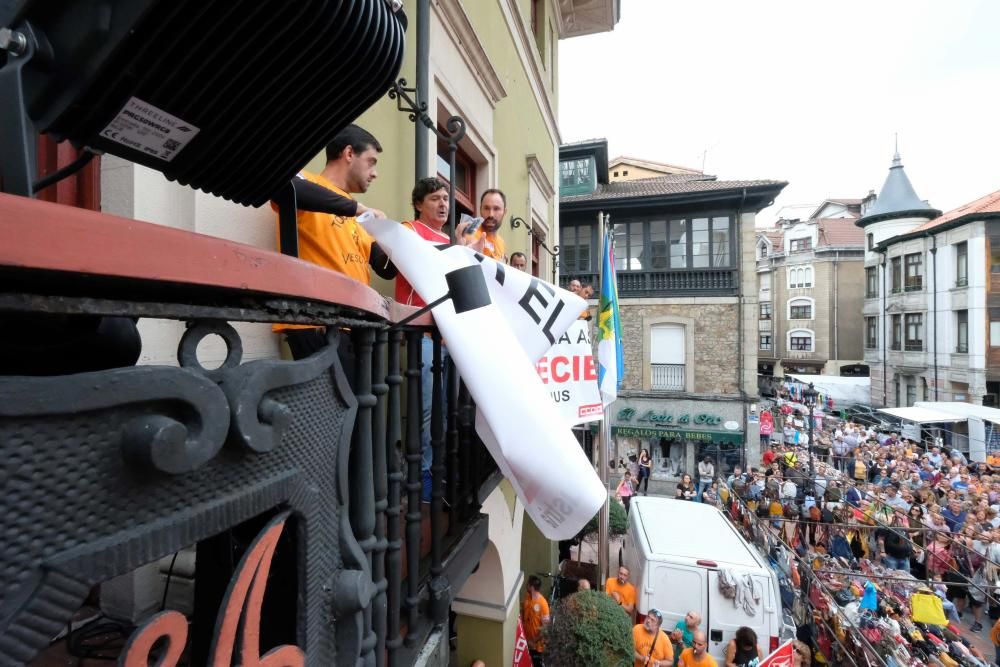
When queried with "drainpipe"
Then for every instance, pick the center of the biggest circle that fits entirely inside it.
(885, 333)
(836, 280)
(934, 287)
(422, 133)
(739, 323)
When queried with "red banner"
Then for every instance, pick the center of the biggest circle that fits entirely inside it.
(782, 657)
(521, 657)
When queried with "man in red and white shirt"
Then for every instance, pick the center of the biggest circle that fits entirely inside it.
(430, 206)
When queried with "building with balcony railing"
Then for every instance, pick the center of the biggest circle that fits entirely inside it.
(683, 247)
(931, 314)
(215, 469)
(810, 287)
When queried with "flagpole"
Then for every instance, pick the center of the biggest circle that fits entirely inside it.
(602, 452)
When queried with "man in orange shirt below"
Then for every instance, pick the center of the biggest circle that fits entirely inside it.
(697, 655)
(329, 234)
(535, 616)
(487, 239)
(652, 646)
(622, 591)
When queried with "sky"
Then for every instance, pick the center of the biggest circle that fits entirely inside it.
(809, 92)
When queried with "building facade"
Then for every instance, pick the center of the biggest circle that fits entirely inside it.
(684, 255)
(931, 310)
(494, 64)
(811, 286)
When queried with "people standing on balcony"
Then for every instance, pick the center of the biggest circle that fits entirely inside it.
(535, 616)
(328, 231)
(519, 261)
(431, 203)
(487, 239)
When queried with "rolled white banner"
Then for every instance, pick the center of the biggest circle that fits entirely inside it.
(515, 416)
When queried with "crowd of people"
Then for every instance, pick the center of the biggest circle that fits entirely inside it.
(872, 512)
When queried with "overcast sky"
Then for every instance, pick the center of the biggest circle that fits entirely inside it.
(803, 91)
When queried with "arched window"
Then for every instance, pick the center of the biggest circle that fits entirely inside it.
(800, 340)
(800, 276)
(800, 308)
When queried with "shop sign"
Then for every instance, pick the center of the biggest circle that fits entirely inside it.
(668, 419)
(676, 434)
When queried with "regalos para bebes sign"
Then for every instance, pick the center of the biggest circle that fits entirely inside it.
(569, 373)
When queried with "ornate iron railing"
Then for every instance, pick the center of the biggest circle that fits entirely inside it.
(303, 476)
(667, 377)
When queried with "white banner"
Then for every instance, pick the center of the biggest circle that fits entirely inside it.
(569, 372)
(515, 417)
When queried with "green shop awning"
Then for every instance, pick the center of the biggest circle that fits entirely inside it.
(723, 437)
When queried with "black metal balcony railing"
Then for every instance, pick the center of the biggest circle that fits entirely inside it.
(962, 348)
(667, 377)
(113, 469)
(914, 346)
(914, 283)
(664, 283)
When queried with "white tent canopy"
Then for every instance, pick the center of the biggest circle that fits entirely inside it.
(922, 415)
(962, 410)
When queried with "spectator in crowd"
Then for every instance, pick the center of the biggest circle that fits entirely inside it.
(743, 650)
(622, 590)
(519, 261)
(687, 626)
(534, 617)
(685, 488)
(697, 655)
(626, 490)
(954, 515)
(706, 475)
(645, 470)
(652, 646)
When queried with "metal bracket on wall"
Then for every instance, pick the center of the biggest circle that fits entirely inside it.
(408, 101)
(517, 221)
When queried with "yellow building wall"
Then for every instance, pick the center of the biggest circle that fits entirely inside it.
(634, 173)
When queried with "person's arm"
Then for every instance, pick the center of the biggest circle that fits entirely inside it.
(731, 653)
(380, 263)
(311, 196)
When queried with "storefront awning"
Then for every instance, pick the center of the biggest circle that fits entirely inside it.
(719, 437)
(921, 415)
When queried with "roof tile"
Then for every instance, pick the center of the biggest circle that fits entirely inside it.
(664, 185)
(987, 204)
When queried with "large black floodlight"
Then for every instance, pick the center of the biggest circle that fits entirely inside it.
(229, 96)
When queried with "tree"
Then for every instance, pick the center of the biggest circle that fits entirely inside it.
(617, 521)
(589, 628)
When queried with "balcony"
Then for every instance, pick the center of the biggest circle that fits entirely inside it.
(667, 377)
(303, 476)
(677, 282)
(914, 283)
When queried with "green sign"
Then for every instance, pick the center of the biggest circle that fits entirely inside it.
(667, 419)
(677, 434)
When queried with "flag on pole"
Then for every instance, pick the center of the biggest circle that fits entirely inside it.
(782, 656)
(521, 656)
(610, 360)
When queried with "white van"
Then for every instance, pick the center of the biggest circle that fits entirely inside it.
(676, 550)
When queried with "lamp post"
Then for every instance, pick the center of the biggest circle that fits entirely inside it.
(809, 396)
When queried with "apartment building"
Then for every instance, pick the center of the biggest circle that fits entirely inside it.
(932, 298)
(810, 291)
(687, 286)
